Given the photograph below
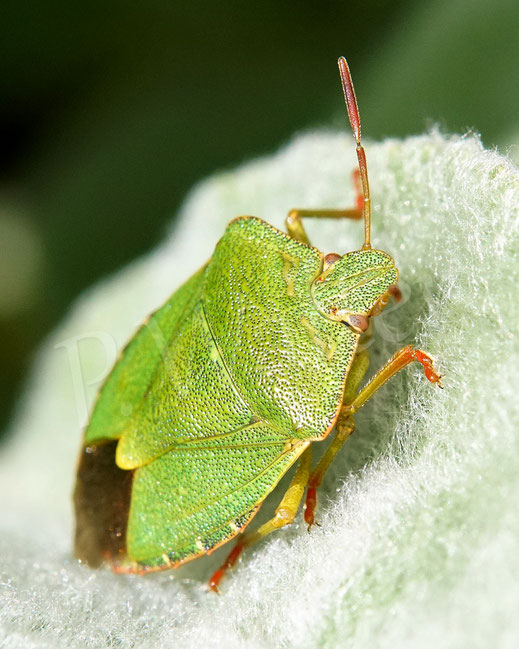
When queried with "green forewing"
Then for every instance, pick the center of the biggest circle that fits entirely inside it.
(200, 494)
(191, 397)
(129, 382)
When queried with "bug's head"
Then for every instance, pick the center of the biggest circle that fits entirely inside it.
(355, 286)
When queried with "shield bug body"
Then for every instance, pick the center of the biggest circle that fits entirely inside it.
(227, 385)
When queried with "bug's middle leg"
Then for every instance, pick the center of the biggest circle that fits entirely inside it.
(344, 428)
(294, 222)
(284, 515)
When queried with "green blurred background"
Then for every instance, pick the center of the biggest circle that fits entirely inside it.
(111, 111)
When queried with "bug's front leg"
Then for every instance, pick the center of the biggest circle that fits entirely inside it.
(397, 362)
(354, 400)
(284, 515)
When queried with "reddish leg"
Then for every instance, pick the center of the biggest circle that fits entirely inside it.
(294, 222)
(214, 582)
(345, 423)
(401, 359)
(345, 427)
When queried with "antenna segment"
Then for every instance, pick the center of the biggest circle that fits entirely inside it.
(353, 114)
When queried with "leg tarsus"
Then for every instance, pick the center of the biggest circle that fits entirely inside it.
(228, 563)
(397, 362)
(310, 505)
(427, 363)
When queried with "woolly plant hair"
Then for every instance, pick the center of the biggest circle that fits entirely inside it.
(419, 537)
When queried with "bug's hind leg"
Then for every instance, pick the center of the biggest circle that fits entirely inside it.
(284, 515)
(294, 223)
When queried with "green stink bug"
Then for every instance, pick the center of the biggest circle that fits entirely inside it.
(227, 385)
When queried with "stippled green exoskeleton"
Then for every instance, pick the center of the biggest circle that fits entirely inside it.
(259, 358)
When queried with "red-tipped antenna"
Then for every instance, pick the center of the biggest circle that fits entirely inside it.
(353, 114)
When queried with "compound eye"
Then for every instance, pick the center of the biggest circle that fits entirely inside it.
(358, 322)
